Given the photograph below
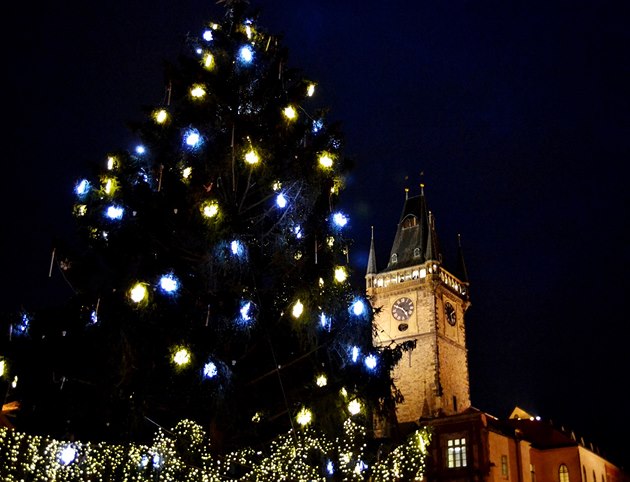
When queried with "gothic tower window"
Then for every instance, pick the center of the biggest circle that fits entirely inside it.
(409, 222)
(416, 252)
(563, 473)
(394, 258)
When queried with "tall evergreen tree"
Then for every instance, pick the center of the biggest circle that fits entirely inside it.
(211, 278)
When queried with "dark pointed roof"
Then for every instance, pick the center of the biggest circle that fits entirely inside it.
(415, 241)
(371, 267)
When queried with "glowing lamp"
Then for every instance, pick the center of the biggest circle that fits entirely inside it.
(340, 219)
(245, 310)
(371, 362)
(246, 54)
(82, 187)
(237, 248)
(251, 157)
(210, 209)
(192, 138)
(207, 35)
(281, 200)
(67, 455)
(321, 380)
(210, 370)
(140, 149)
(340, 274)
(138, 293)
(2, 367)
(354, 407)
(114, 212)
(297, 230)
(186, 172)
(160, 116)
(298, 309)
(197, 91)
(168, 283)
(318, 124)
(208, 61)
(358, 307)
(354, 353)
(304, 416)
(325, 160)
(181, 357)
(324, 321)
(289, 112)
(310, 90)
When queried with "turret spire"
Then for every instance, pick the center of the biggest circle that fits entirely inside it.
(371, 267)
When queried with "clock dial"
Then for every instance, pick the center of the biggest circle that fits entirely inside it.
(451, 314)
(402, 308)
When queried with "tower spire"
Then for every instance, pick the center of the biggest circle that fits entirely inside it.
(371, 267)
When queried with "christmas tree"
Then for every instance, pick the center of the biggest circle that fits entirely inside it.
(210, 274)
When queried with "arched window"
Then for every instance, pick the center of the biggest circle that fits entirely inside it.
(563, 473)
(409, 222)
(394, 258)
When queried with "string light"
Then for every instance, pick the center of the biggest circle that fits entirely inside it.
(160, 116)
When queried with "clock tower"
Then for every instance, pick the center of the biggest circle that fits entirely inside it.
(421, 301)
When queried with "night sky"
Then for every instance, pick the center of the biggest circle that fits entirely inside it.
(513, 114)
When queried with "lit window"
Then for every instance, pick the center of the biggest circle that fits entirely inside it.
(409, 222)
(504, 466)
(456, 453)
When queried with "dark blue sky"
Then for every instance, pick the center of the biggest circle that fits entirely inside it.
(516, 113)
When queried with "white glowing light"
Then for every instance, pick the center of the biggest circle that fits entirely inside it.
(310, 90)
(355, 353)
(114, 212)
(371, 362)
(144, 461)
(82, 187)
(236, 247)
(210, 370)
(358, 307)
(157, 460)
(182, 357)
(197, 91)
(246, 54)
(14, 382)
(211, 209)
(340, 274)
(290, 112)
(245, 310)
(281, 200)
(140, 149)
(340, 219)
(297, 230)
(207, 35)
(111, 162)
(298, 309)
(304, 416)
(354, 407)
(108, 186)
(138, 293)
(186, 172)
(330, 467)
(94, 317)
(324, 321)
(251, 157)
(318, 124)
(2, 367)
(169, 283)
(321, 380)
(192, 138)
(325, 160)
(67, 455)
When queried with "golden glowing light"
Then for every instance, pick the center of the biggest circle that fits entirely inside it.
(290, 112)
(80, 210)
(108, 186)
(111, 162)
(210, 209)
(325, 160)
(304, 416)
(181, 357)
(251, 157)
(160, 116)
(208, 61)
(186, 172)
(298, 309)
(310, 90)
(321, 380)
(138, 293)
(341, 274)
(354, 407)
(2, 367)
(197, 91)
(321, 282)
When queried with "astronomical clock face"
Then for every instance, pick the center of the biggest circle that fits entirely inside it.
(451, 314)
(402, 309)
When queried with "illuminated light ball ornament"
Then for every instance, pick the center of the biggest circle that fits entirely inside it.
(358, 308)
(140, 149)
(281, 201)
(246, 54)
(197, 91)
(192, 138)
(290, 113)
(354, 353)
(181, 356)
(298, 309)
(138, 293)
(246, 311)
(371, 361)
(321, 380)
(326, 160)
(210, 370)
(341, 274)
(237, 248)
(169, 284)
(208, 61)
(354, 407)
(304, 417)
(109, 185)
(114, 212)
(210, 209)
(67, 455)
(339, 219)
(251, 157)
(207, 35)
(310, 90)
(160, 116)
(111, 163)
(82, 187)
(318, 125)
